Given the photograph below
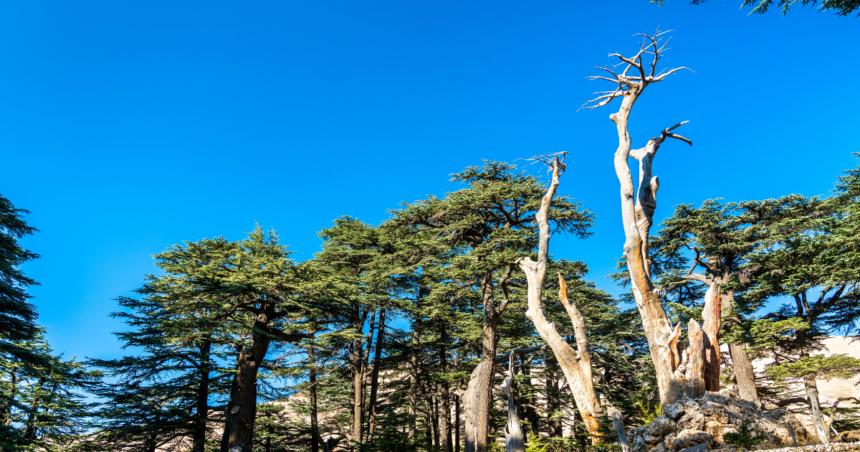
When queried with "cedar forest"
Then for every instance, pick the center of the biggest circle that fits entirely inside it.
(439, 330)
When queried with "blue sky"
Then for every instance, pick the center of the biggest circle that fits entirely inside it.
(127, 127)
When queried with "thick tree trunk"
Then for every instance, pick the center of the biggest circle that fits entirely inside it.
(243, 412)
(202, 419)
(711, 314)
(457, 424)
(374, 376)
(359, 362)
(695, 377)
(479, 393)
(741, 364)
(312, 395)
(576, 364)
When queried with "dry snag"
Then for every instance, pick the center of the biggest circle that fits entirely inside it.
(576, 364)
(681, 367)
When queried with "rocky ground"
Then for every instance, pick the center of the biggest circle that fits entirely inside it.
(689, 423)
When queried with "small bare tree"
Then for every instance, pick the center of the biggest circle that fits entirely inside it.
(681, 367)
(576, 364)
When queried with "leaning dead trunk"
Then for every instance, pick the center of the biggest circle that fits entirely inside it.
(576, 364)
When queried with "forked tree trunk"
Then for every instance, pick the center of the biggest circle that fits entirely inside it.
(576, 364)
(637, 209)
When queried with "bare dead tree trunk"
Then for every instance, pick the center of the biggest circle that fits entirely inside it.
(514, 441)
(637, 208)
(576, 364)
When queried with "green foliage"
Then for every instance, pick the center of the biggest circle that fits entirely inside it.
(742, 438)
(840, 7)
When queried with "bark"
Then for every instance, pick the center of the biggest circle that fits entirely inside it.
(312, 381)
(514, 441)
(618, 422)
(711, 314)
(359, 371)
(812, 393)
(225, 437)
(413, 376)
(244, 405)
(637, 208)
(479, 393)
(457, 424)
(374, 376)
(200, 422)
(741, 364)
(695, 381)
(575, 364)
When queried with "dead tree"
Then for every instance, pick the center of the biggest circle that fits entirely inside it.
(576, 364)
(514, 441)
(680, 369)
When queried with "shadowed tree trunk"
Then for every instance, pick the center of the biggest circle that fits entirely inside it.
(374, 376)
(478, 397)
(312, 380)
(200, 422)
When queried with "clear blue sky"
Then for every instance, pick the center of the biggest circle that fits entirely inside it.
(127, 127)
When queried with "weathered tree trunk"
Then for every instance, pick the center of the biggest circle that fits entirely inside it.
(479, 393)
(576, 364)
(741, 364)
(637, 210)
(695, 383)
(514, 441)
(202, 419)
(711, 314)
(618, 422)
(812, 392)
(312, 396)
